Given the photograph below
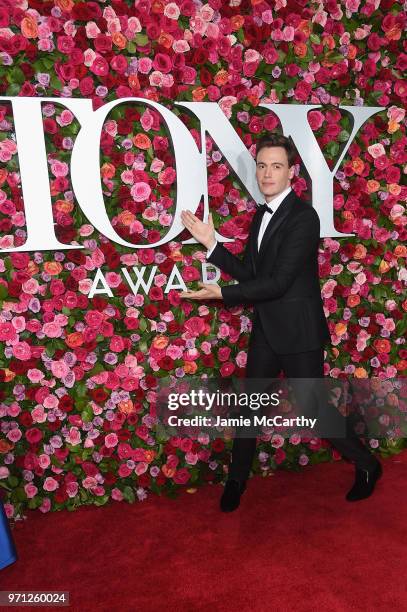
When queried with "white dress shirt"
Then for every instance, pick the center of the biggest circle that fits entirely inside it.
(273, 204)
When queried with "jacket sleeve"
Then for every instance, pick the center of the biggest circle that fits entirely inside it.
(301, 242)
(240, 269)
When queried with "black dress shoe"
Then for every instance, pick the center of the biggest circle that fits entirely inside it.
(230, 499)
(365, 481)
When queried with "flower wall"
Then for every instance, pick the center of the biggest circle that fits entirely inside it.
(78, 374)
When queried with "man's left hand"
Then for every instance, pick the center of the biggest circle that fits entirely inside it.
(209, 291)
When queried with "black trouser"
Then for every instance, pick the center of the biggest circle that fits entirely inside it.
(263, 362)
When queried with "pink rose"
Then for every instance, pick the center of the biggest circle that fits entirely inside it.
(144, 65)
(50, 484)
(30, 490)
(241, 359)
(44, 461)
(52, 330)
(111, 440)
(277, 441)
(303, 459)
(117, 344)
(72, 489)
(315, 119)
(38, 414)
(99, 66)
(376, 150)
(65, 118)
(7, 332)
(14, 435)
(117, 495)
(141, 468)
(22, 351)
(74, 436)
(140, 191)
(31, 286)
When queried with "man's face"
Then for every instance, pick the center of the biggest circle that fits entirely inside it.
(272, 172)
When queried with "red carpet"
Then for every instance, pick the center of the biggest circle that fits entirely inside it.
(294, 544)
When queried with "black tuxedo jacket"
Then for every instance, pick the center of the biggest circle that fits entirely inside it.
(281, 280)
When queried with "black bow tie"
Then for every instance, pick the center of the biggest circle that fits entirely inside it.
(264, 206)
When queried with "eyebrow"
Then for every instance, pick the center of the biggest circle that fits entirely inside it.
(272, 163)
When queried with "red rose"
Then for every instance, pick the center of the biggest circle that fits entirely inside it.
(131, 322)
(218, 445)
(20, 260)
(208, 361)
(100, 67)
(195, 326)
(181, 476)
(150, 311)
(302, 91)
(119, 64)
(86, 11)
(162, 62)
(33, 435)
(156, 293)
(66, 403)
(166, 363)
(103, 43)
(86, 86)
(173, 327)
(144, 480)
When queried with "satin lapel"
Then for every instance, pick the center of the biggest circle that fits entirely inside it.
(276, 220)
(253, 247)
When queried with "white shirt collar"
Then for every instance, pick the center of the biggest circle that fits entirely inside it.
(275, 202)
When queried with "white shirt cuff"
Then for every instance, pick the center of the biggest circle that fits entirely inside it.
(209, 251)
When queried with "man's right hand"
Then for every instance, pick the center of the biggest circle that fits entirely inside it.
(203, 232)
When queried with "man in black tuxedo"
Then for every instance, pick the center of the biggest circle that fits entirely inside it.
(279, 276)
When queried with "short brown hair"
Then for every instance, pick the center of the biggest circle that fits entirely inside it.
(278, 140)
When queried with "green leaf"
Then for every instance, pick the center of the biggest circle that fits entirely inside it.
(240, 35)
(13, 481)
(128, 494)
(50, 350)
(343, 136)
(332, 149)
(143, 346)
(13, 89)
(141, 39)
(87, 414)
(48, 62)
(81, 390)
(101, 501)
(16, 75)
(131, 47)
(97, 368)
(55, 83)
